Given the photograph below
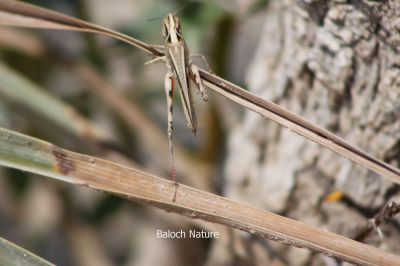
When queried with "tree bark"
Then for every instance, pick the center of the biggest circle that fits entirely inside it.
(336, 63)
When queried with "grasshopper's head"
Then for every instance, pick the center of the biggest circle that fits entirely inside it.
(172, 31)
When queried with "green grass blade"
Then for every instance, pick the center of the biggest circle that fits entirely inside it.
(15, 87)
(11, 254)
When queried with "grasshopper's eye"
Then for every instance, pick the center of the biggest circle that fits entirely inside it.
(179, 30)
(178, 25)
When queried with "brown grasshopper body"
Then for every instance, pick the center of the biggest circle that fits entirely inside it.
(180, 69)
(178, 61)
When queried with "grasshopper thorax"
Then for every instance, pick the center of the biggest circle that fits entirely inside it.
(172, 31)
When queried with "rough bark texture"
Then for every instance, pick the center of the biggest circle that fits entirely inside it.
(336, 63)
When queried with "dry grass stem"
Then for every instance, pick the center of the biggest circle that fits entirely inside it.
(36, 156)
(385, 214)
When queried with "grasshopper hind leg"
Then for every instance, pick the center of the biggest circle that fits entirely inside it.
(169, 90)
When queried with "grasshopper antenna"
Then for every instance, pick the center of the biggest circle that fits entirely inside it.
(175, 12)
(153, 19)
(180, 9)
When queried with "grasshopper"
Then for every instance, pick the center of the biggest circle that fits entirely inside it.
(180, 69)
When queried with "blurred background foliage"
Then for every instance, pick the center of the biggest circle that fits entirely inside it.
(56, 85)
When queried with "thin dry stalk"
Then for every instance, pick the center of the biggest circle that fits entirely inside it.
(15, 13)
(385, 214)
(20, 41)
(299, 125)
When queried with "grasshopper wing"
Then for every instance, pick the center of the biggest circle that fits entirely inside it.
(177, 55)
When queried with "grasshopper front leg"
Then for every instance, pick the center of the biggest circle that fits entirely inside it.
(195, 76)
(151, 61)
(204, 60)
